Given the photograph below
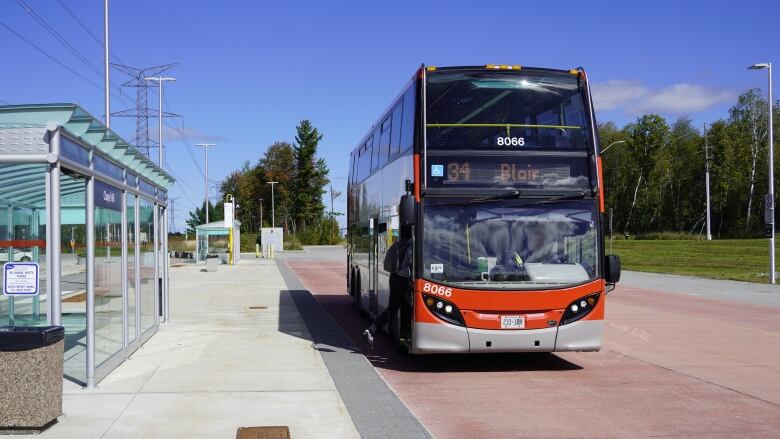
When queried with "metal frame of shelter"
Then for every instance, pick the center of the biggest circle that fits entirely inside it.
(65, 139)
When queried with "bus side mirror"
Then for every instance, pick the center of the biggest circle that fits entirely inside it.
(406, 210)
(612, 269)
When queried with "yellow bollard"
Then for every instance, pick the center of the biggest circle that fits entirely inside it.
(230, 246)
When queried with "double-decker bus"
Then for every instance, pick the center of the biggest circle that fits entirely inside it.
(495, 173)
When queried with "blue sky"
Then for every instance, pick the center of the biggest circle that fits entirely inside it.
(250, 70)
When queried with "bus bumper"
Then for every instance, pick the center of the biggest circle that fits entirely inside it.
(436, 338)
(584, 335)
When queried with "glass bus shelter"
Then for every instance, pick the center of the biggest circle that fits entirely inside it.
(89, 209)
(215, 240)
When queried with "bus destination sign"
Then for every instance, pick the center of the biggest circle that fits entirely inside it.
(489, 171)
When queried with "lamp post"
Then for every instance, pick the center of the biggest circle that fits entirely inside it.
(206, 177)
(273, 214)
(160, 80)
(611, 144)
(769, 203)
(106, 61)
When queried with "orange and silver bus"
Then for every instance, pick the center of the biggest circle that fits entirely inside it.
(495, 173)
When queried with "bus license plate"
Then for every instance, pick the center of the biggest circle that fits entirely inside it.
(512, 322)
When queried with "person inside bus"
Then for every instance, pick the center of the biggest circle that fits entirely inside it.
(398, 262)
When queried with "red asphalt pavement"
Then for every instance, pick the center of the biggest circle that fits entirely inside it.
(671, 365)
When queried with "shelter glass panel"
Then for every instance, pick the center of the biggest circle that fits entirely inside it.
(108, 271)
(23, 238)
(131, 268)
(73, 151)
(147, 188)
(73, 279)
(146, 287)
(107, 168)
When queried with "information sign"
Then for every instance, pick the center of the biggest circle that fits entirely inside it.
(20, 279)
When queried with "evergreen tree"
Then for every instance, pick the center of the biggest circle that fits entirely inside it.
(310, 178)
(198, 217)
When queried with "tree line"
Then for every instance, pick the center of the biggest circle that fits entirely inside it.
(301, 178)
(654, 175)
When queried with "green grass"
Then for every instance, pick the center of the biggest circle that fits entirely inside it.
(737, 259)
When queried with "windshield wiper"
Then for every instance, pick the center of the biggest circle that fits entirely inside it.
(518, 194)
(512, 195)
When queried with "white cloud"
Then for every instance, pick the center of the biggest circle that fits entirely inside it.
(635, 98)
(188, 134)
(616, 93)
(683, 98)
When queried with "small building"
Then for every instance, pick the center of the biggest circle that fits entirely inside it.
(214, 240)
(90, 210)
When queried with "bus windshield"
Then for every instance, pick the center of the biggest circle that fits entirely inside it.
(510, 244)
(506, 110)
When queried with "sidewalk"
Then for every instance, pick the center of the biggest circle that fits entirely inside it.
(219, 365)
(762, 294)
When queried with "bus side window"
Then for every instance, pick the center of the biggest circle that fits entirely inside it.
(395, 138)
(376, 149)
(384, 140)
(364, 161)
(351, 179)
(407, 130)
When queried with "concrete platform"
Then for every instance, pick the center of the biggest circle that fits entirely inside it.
(218, 366)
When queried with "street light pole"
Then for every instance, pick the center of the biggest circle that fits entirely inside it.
(106, 62)
(273, 212)
(206, 177)
(610, 145)
(707, 180)
(770, 201)
(160, 80)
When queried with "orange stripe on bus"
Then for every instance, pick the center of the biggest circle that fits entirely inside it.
(417, 177)
(601, 184)
(23, 243)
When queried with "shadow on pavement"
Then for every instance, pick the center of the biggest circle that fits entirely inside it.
(352, 322)
(316, 326)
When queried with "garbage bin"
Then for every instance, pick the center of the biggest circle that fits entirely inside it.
(31, 360)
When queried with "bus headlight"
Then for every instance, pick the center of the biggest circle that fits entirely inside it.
(444, 310)
(579, 308)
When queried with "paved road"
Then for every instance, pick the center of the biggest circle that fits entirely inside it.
(676, 362)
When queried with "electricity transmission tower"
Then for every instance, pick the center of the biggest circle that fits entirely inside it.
(172, 217)
(142, 112)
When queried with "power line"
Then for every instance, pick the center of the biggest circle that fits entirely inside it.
(188, 146)
(85, 27)
(183, 72)
(141, 113)
(5, 102)
(57, 61)
(42, 21)
(179, 179)
(51, 57)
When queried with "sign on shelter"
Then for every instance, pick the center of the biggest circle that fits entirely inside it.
(20, 279)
